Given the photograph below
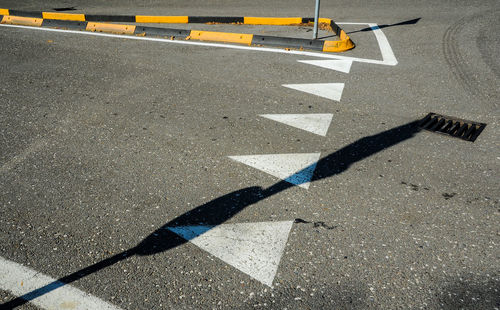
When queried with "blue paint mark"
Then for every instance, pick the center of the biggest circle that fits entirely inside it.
(303, 176)
(43, 290)
(190, 232)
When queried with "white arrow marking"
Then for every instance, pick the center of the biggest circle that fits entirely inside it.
(331, 91)
(253, 248)
(338, 65)
(315, 123)
(23, 281)
(297, 169)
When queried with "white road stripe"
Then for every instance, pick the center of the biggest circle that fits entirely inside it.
(387, 54)
(23, 281)
(385, 47)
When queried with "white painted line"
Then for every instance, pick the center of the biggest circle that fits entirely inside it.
(387, 54)
(337, 64)
(315, 123)
(297, 169)
(331, 91)
(385, 48)
(253, 248)
(388, 57)
(21, 281)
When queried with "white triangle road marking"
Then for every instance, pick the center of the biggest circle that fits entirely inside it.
(315, 123)
(253, 248)
(338, 65)
(297, 169)
(331, 91)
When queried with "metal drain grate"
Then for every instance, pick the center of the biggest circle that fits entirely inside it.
(455, 127)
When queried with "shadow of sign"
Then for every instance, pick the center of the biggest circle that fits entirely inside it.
(225, 207)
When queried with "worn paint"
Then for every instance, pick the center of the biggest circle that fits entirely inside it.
(221, 37)
(24, 21)
(106, 27)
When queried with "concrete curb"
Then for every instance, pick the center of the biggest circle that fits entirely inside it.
(98, 23)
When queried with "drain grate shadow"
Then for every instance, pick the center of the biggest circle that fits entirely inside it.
(455, 127)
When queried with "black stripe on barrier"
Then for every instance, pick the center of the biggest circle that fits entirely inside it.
(69, 24)
(335, 28)
(26, 13)
(215, 19)
(306, 20)
(288, 42)
(162, 32)
(282, 42)
(110, 18)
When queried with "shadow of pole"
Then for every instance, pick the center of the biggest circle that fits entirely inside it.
(407, 22)
(221, 209)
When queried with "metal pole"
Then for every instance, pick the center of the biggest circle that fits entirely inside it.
(316, 17)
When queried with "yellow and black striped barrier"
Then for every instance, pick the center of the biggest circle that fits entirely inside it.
(102, 23)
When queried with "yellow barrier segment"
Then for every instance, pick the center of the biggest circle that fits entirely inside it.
(344, 44)
(161, 19)
(343, 35)
(63, 16)
(113, 28)
(221, 37)
(272, 20)
(25, 21)
(338, 46)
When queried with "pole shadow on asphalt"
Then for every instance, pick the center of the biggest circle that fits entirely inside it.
(225, 207)
(406, 22)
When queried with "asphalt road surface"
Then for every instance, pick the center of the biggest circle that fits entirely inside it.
(151, 175)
